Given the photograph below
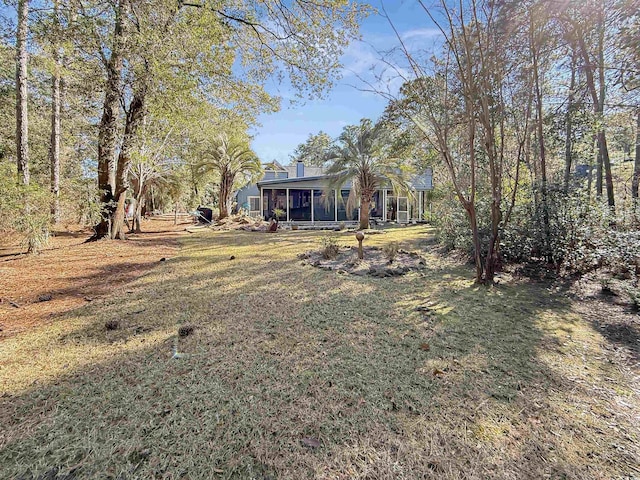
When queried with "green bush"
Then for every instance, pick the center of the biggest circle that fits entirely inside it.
(581, 235)
(24, 210)
(453, 229)
(330, 248)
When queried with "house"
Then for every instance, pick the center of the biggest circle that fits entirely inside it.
(302, 193)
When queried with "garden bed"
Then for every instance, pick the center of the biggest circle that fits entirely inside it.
(375, 262)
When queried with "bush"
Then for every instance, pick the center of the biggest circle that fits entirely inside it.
(24, 209)
(581, 234)
(390, 251)
(579, 237)
(453, 228)
(330, 248)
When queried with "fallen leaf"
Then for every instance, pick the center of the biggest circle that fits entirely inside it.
(425, 347)
(437, 372)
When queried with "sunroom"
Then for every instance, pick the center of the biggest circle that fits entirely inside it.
(308, 200)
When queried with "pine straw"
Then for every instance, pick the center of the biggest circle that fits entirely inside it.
(73, 273)
(513, 383)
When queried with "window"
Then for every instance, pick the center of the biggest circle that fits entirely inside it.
(254, 204)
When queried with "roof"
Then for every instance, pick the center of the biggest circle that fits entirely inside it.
(316, 178)
(308, 171)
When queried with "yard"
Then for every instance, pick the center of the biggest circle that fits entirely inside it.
(294, 372)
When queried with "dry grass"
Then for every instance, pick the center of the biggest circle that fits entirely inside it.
(293, 372)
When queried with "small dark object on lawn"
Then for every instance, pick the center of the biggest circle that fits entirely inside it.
(14, 304)
(163, 259)
(45, 298)
(437, 372)
(185, 330)
(232, 257)
(425, 347)
(112, 324)
(311, 442)
(607, 290)
(88, 299)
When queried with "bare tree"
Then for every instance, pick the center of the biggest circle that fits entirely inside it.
(593, 57)
(460, 109)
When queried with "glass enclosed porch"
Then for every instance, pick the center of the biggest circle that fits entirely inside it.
(309, 205)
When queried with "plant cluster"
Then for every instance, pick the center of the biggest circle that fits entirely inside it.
(330, 248)
(390, 251)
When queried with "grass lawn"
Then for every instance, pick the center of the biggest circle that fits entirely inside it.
(293, 372)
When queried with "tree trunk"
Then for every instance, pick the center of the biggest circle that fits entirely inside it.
(226, 183)
(602, 138)
(365, 207)
(598, 106)
(135, 115)
(139, 199)
(636, 165)
(477, 245)
(108, 128)
(568, 143)
(598, 168)
(606, 161)
(594, 141)
(54, 147)
(137, 215)
(117, 218)
(22, 121)
(542, 150)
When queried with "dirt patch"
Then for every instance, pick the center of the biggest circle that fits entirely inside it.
(35, 289)
(374, 263)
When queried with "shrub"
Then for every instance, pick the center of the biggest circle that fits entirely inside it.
(581, 234)
(278, 213)
(24, 209)
(634, 298)
(330, 248)
(453, 228)
(390, 251)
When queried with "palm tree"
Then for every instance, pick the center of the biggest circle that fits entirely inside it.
(362, 156)
(234, 162)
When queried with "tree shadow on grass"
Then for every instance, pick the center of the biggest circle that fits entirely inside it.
(294, 372)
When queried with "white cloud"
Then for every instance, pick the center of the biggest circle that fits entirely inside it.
(374, 71)
(358, 59)
(420, 33)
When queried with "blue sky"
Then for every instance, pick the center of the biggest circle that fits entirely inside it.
(346, 103)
